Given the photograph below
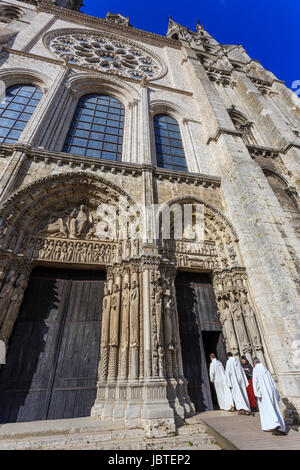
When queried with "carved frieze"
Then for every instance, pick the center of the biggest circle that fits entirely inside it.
(67, 251)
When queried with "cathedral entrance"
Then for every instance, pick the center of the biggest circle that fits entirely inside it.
(200, 334)
(53, 356)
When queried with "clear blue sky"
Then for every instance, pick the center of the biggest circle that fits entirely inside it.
(268, 29)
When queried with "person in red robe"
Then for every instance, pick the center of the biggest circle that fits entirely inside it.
(248, 369)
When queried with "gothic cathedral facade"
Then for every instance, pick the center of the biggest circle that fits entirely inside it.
(114, 317)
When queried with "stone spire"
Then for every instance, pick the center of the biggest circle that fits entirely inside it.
(199, 38)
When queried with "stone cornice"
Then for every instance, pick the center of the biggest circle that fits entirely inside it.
(222, 131)
(92, 21)
(267, 152)
(93, 71)
(107, 166)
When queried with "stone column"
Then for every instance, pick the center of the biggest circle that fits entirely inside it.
(145, 140)
(39, 124)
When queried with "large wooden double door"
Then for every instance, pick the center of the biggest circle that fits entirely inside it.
(200, 334)
(54, 351)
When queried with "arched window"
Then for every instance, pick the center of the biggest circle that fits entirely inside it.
(16, 110)
(169, 148)
(97, 128)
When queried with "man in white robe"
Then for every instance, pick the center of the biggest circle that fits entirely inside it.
(217, 377)
(236, 380)
(265, 390)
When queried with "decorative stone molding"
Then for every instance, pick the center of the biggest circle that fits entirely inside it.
(8, 13)
(16, 76)
(222, 131)
(84, 83)
(221, 77)
(264, 86)
(92, 21)
(74, 161)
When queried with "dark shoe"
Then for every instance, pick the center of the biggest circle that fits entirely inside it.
(241, 412)
(278, 433)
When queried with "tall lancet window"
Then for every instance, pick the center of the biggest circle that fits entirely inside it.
(97, 128)
(169, 148)
(16, 109)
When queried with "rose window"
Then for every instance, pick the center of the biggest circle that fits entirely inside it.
(106, 54)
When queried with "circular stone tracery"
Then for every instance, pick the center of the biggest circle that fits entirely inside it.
(105, 53)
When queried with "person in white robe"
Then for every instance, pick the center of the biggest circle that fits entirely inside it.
(217, 377)
(236, 380)
(268, 396)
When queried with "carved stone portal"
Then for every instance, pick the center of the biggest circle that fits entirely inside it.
(141, 377)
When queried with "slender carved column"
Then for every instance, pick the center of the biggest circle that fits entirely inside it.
(103, 367)
(134, 326)
(124, 329)
(114, 328)
(145, 145)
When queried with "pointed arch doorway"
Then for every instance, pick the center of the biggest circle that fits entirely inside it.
(200, 334)
(54, 351)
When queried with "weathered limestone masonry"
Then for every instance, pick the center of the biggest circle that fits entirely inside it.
(240, 131)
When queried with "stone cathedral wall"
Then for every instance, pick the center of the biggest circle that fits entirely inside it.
(239, 126)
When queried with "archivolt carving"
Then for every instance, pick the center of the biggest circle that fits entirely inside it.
(218, 249)
(105, 52)
(42, 220)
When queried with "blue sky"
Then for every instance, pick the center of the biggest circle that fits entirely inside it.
(268, 29)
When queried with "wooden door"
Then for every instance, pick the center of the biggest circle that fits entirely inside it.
(197, 313)
(53, 356)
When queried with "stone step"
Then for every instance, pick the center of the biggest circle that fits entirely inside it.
(102, 442)
(86, 433)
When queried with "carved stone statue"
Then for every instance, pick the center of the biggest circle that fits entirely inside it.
(239, 323)
(49, 250)
(125, 314)
(80, 223)
(135, 248)
(134, 314)
(115, 316)
(228, 328)
(56, 226)
(169, 317)
(6, 294)
(159, 311)
(13, 308)
(250, 320)
(105, 317)
(70, 225)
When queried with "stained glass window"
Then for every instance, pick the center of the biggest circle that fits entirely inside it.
(97, 128)
(169, 148)
(16, 109)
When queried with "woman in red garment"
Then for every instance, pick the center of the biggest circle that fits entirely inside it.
(248, 369)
